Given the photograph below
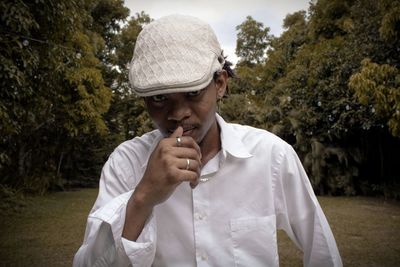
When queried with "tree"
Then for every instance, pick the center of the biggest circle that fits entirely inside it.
(310, 102)
(127, 116)
(378, 88)
(315, 106)
(252, 41)
(54, 93)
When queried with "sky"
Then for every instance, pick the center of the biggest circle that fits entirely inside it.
(223, 15)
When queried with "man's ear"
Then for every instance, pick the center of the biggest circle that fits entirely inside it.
(222, 83)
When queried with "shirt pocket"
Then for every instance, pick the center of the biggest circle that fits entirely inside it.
(254, 241)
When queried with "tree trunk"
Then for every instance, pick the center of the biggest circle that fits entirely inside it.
(21, 159)
(382, 177)
(60, 163)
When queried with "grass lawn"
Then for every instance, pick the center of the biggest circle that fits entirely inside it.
(50, 230)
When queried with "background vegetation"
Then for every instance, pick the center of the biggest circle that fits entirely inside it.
(329, 85)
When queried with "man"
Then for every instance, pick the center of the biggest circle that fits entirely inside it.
(198, 191)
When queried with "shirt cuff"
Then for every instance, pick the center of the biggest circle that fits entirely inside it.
(141, 252)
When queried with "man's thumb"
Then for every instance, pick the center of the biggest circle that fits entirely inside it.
(178, 132)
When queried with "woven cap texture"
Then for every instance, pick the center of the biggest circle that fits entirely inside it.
(174, 54)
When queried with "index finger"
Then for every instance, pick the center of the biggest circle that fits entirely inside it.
(187, 141)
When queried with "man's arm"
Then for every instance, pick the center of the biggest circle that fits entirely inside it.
(168, 167)
(300, 215)
(122, 229)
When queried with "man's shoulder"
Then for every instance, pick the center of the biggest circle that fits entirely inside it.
(253, 134)
(257, 139)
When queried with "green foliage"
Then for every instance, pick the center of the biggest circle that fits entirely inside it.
(248, 81)
(53, 58)
(378, 86)
(106, 16)
(11, 200)
(329, 18)
(127, 114)
(252, 41)
(318, 88)
(329, 85)
(329, 167)
(239, 108)
(389, 29)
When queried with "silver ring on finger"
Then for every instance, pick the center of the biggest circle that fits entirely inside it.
(187, 164)
(178, 141)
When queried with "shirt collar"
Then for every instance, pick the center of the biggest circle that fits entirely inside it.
(230, 141)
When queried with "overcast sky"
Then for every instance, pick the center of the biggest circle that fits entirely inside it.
(223, 15)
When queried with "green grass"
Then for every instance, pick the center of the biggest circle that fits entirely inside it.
(367, 232)
(50, 230)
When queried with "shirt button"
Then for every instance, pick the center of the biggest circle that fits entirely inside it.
(204, 257)
(199, 216)
(201, 256)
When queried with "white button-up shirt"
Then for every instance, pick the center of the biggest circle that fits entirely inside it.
(254, 186)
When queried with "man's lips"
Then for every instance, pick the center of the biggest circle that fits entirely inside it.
(186, 129)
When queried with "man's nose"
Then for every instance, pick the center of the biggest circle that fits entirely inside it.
(180, 110)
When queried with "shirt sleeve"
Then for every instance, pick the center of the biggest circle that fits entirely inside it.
(103, 244)
(299, 213)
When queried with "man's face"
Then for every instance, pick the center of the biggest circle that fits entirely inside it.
(194, 111)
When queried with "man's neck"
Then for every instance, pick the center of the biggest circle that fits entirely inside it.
(211, 143)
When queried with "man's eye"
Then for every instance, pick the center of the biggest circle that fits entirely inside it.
(194, 93)
(158, 98)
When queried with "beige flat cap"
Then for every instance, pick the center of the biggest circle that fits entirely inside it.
(174, 54)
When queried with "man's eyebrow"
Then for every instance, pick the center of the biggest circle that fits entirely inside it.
(197, 90)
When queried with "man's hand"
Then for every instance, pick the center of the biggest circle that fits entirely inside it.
(170, 164)
(167, 168)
